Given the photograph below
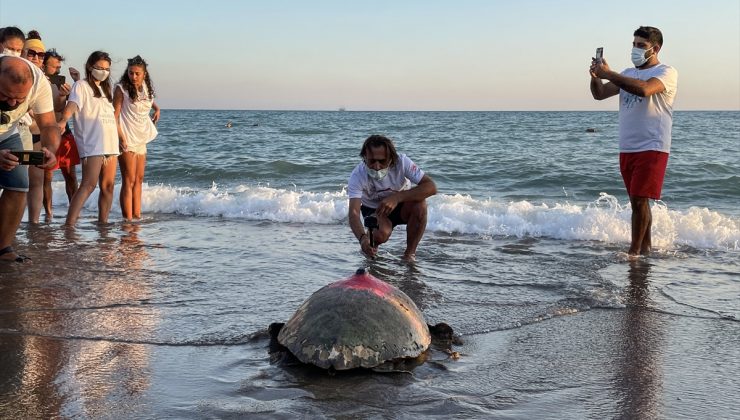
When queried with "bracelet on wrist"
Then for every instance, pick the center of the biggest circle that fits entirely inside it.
(362, 236)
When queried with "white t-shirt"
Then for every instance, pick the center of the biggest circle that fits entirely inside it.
(372, 192)
(95, 128)
(39, 100)
(645, 122)
(135, 121)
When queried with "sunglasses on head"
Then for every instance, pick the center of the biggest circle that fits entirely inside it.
(32, 53)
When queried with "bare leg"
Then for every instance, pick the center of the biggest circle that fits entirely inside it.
(138, 181)
(91, 168)
(107, 182)
(642, 220)
(70, 181)
(35, 193)
(416, 215)
(48, 175)
(128, 177)
(12, 204)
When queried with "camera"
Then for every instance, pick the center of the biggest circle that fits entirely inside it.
(57, 79)
(29, 157)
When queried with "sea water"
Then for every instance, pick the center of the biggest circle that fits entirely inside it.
(523, 256)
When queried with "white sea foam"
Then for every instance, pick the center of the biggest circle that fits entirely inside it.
(604, 219)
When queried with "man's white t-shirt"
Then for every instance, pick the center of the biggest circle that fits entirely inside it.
(371, 191)
(39, 100)
(645, 122)
(95, 129)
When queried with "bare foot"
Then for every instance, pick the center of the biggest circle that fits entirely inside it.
(410, 258)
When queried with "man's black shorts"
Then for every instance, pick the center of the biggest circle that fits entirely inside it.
(395, 215)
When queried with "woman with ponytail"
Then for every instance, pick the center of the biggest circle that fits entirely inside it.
(133, 102)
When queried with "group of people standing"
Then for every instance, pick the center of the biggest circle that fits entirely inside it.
(108, 121)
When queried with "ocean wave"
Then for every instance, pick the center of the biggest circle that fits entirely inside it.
(605, 219)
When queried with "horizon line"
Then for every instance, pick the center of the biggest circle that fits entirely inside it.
(428, 110)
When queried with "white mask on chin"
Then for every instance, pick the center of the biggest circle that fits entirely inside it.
(376, 175)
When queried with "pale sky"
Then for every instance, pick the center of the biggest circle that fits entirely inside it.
(391, 55)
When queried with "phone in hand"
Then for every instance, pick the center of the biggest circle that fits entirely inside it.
(371, 223)
(29, 157)
(599, 54)
(57, 79)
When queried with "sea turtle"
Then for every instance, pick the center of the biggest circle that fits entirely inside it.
(358, 322)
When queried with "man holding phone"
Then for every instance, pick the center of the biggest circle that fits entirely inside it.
(23, 87)
(646, 95)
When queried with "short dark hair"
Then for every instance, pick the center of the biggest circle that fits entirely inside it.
(651, 34)
(377, 140)
(52, 53)
(10, 32)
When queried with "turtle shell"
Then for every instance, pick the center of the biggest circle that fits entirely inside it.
(360, 321)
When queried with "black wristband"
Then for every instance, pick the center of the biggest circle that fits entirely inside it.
(363, 235)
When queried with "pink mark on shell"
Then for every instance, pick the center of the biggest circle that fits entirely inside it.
(365, 282)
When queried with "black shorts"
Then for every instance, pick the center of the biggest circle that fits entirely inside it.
(36, 138)
(395, 216)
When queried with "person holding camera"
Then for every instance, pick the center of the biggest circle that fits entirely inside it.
(67, 155)
(380, 186)
(133, 102)
(23, 87)
(646, 95)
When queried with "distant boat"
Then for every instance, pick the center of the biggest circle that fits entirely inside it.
(342, 109)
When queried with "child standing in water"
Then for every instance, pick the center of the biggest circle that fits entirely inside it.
(96, 135)
(133, 100)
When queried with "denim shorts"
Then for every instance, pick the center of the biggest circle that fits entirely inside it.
(16, 179)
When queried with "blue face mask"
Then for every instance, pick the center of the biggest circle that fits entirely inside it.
(638, 56)
(376, 175)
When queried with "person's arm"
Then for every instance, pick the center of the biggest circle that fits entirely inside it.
(643, 88)
(599, 89)
(67, 113)
(155, 116)
(358, 229)
(50, 137)
(60, 96)
(423, 190)
(117, 104)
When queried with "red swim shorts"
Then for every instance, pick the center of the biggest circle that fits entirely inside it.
(643, 173)
(67, 155)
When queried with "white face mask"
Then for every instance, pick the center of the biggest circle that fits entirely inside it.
(638, 56)
(376, 175)
(10, 52)
(100, 75)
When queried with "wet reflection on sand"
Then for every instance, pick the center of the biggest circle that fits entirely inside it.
(71, 323)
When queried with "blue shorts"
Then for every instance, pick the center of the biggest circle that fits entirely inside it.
(16, 179)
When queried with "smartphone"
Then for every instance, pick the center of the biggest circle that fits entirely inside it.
(29, 157)
(57, 79)
(599, 54)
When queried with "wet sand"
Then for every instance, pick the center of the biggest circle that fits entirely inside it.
(165, 320)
